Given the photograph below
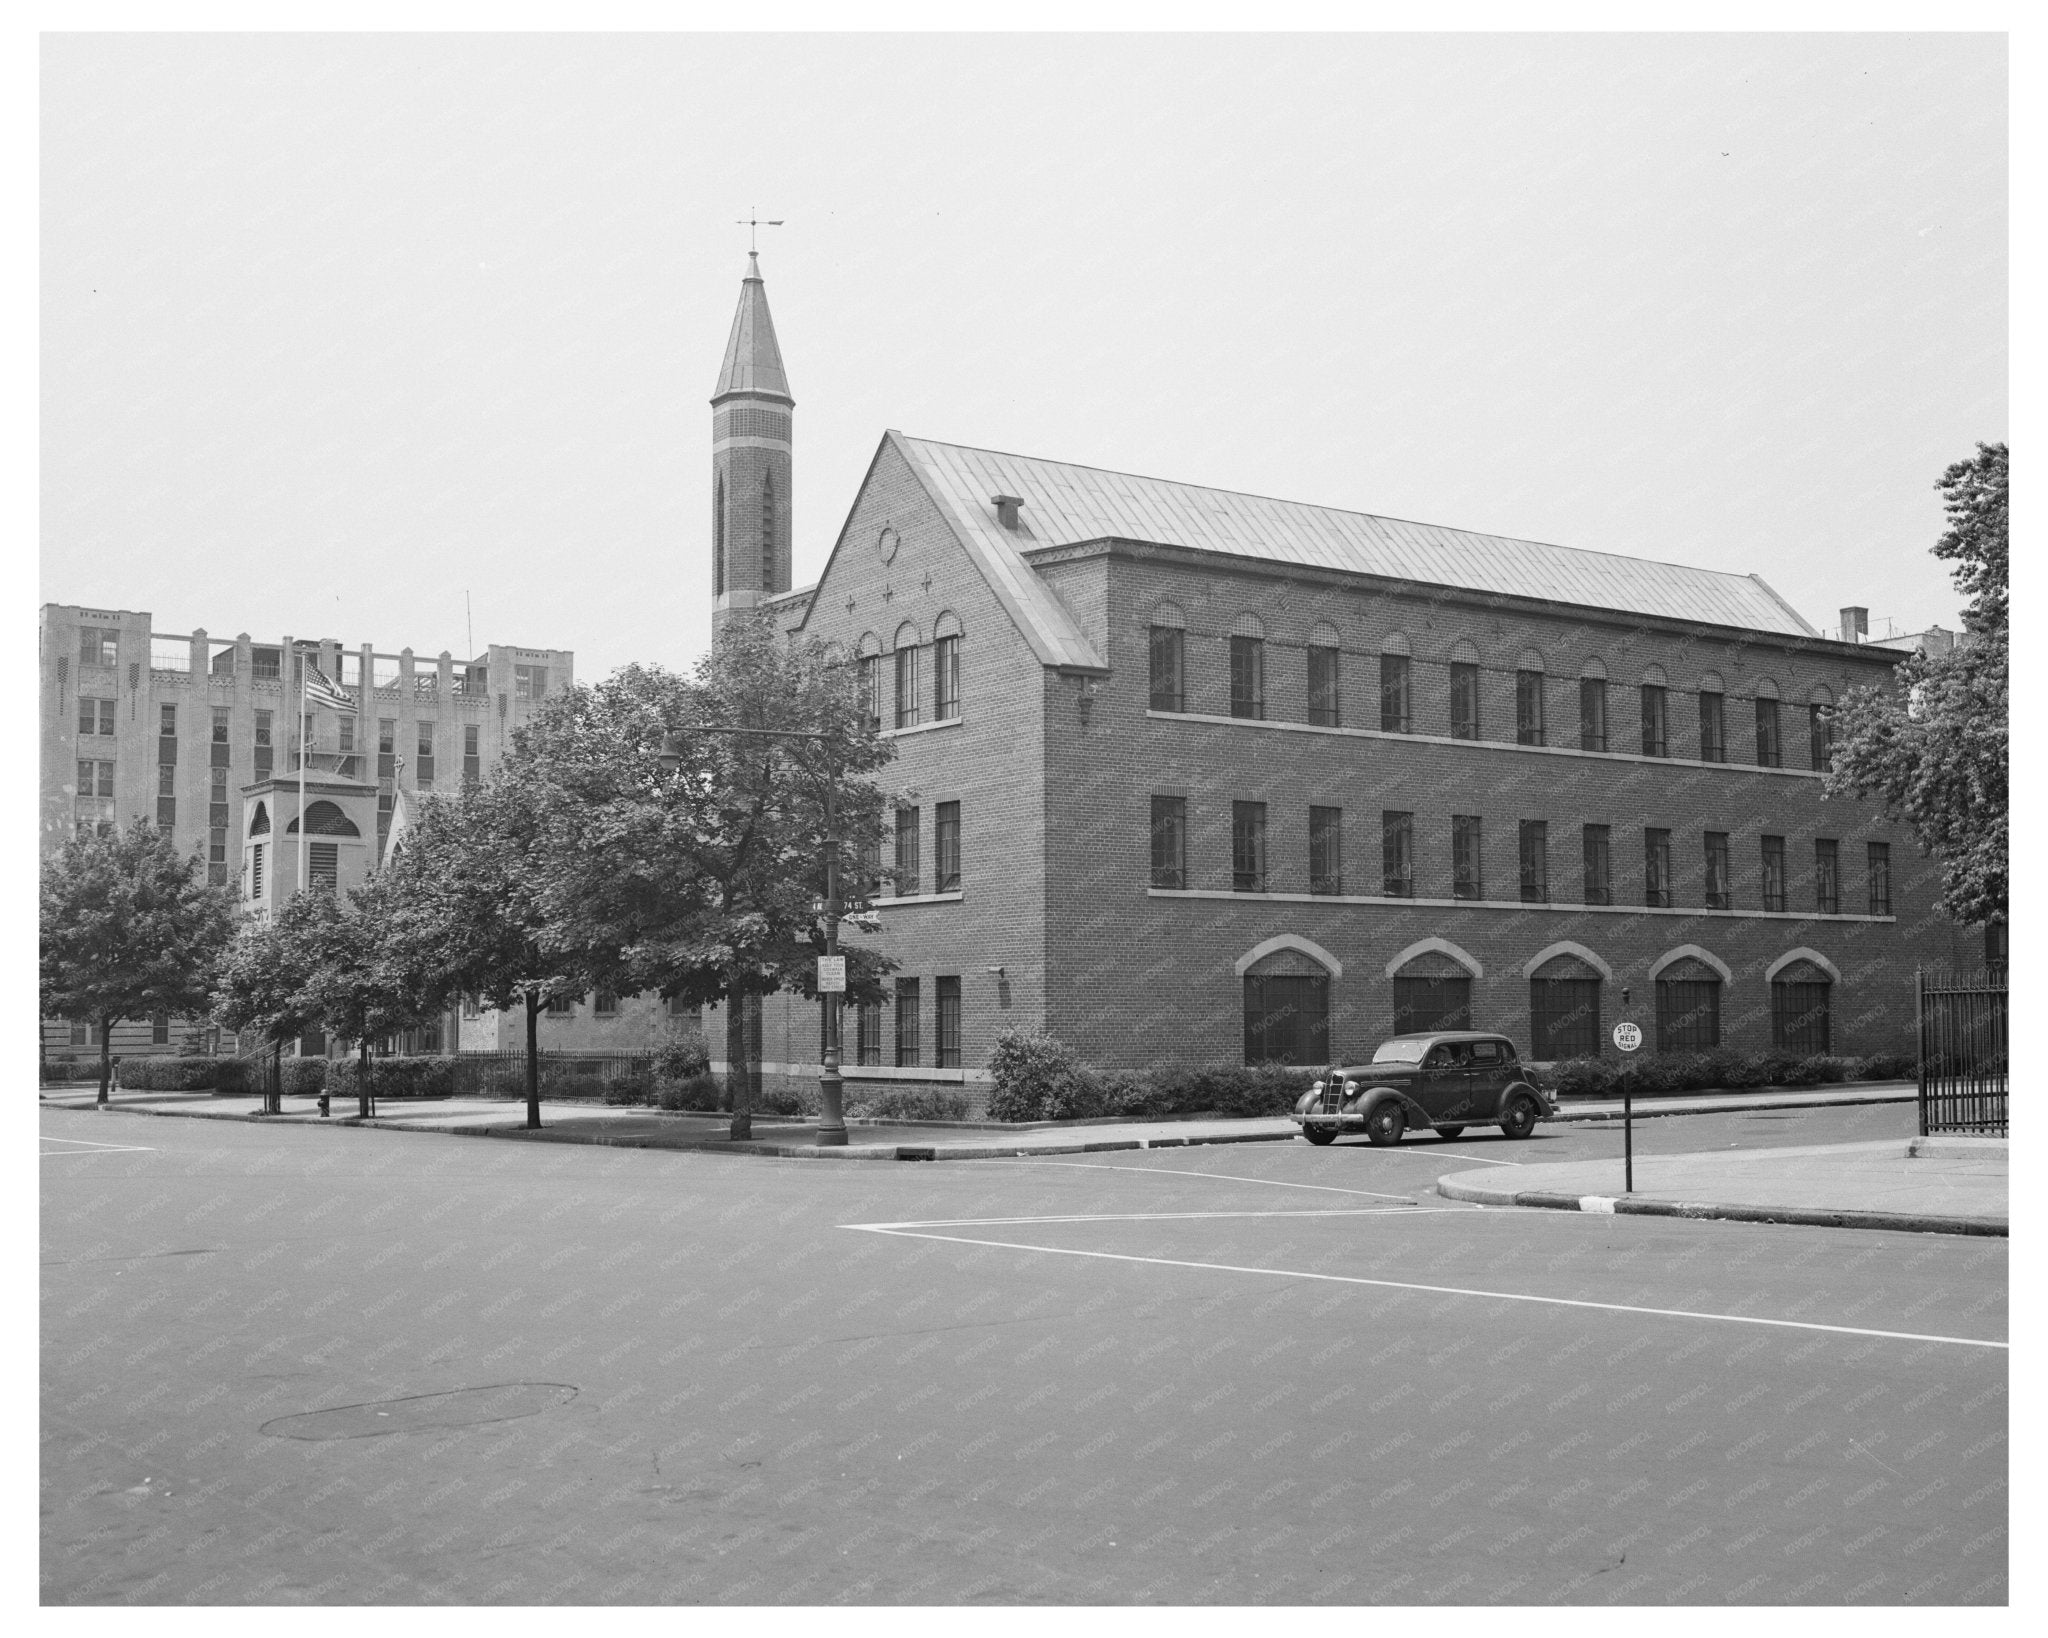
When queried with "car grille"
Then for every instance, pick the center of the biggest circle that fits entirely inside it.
(1333, 1097)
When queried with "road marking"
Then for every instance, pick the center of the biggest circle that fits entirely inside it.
(87, 1146)
(1156, 1217)
(1435, 1290)
(1173, 1171)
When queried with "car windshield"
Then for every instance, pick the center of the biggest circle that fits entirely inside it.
(1399, 1052)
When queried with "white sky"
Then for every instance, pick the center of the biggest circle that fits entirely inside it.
(336, 328)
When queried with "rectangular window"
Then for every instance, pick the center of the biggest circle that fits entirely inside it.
(529, 682)
(870, 880)
(256, 870)
(217, 857)
(1169, 841)
(217, 798)
(1800, 1023)
(946, 1020)
(166, 779)
(1720, 889)
(1599, 878)
(1820, 728)
(867, 1033)
(472, 752)
(1248, 847)
(423, 769)
(1770, 753)
(166, 813)
(561, 1006)
(95, 801)
(323, 866)
(1467, 881)
(1657, 868)
(1656, 741)
(95, 716)
(1464, 700)
(908, 867)
(688, 1011)
(81, 1033)
(946, 679)
(1248, 677)
(1397, 855)
(605, 1005)
(160, 1029)
(167, 723)
(266, 664)
(220, 725)
(946, 847)
(1713, 729)
(1326, 850)
(908, 1053)
(1535, 861)
(1169, 674)
(868, 679)
(1528, 708)
(1592, 713)
(1827, 877)
(472, 1004)
(346, 726)
(1322, 687)
(265, 746)
(906, 686)
(1394, 717)
(387, 747)
(1774, 872)
(1879, 857)
(387, 804)
(99, 645)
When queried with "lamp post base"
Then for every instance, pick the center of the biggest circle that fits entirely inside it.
(832, 1122)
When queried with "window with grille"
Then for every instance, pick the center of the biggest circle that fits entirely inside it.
(167, 726)
(909, 1054)
(1657, 868)
(1248, 847)
(561, 1006)
(1820, 727)
(1592, 713)
(946, 1021)
(1688, 1014)
(946, 847)
(472, 753)
(906, 686)
(387, 747)
(217, 857)
(1467, 881)
(529, 682)
(1656, 741)
(1720, 892)
(1564, 1018)
(908, 869)
(160, 1029)
(1713, 729)
(605, 1004)
(1322, 687)
(1464, 700)
(867, 1033)
(1599, 876)
(869, 680)
(95, 799)
(220, 725)
(1878, 856)
(1774, 872)
(96, 717)
(1326, 850)
(1248, 677)
(1769, 751)
(945, 679)
(1169, 841)
(346, 728)
(99, 645)
(217, 798)
(1528, 708)
(423, 769)
(266, 664)
(1286, 1019)
(1431, 1001)
(1827, 877)
(1394, 713)
(1169, 669)
(1397, 855)
(1534, 848)
(265, 750)
(1801, 1023)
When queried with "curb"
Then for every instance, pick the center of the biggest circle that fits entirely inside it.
(1804, 1216)
(1604, 1117)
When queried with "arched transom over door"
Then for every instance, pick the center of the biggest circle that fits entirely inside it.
(1432, 991)
(1286, 1009)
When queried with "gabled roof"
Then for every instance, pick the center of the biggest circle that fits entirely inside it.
(753, 362)
(1066, 505)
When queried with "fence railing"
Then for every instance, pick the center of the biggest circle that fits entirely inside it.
(1963, 1034)
(562, 1074)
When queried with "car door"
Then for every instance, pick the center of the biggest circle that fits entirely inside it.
(1486, 1079)
(1441, 1087)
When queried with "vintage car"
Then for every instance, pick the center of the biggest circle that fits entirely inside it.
(1444, 1080)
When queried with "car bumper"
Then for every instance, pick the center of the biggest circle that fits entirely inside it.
(1319, 1119)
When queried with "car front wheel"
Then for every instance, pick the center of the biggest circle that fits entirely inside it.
(1385, 1125)
(1520, 1119)
(1320, 1134)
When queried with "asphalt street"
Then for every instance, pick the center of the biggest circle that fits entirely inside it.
(304, 1365)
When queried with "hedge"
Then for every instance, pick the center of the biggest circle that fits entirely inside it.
(170, 1074)
(421, 1077)
(1037, 1077)
(1704, 1071)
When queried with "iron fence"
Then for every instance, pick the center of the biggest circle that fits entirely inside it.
(1962, 1051)
(562, 1074)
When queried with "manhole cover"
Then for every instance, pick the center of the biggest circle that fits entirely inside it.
(458, 1408)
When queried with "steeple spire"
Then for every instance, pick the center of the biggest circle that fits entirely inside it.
(751, 456)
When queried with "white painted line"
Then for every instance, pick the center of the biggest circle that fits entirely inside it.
(1170, 1171)
(1156, 1217)
(85, 1146)
(1485, 1162)
(1440, 1290)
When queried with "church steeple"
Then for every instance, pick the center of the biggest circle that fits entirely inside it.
(750, 459)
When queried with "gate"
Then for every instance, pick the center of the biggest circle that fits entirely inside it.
(1963, 1052)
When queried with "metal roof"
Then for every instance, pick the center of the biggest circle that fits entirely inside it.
(1065, 505)
(753, 361)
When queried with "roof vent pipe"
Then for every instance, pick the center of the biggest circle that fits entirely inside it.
(1007, 507)
(1855, 625)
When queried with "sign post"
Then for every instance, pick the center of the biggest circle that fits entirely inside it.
(1628, 1037)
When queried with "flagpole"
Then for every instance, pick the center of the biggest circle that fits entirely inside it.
(305, 735)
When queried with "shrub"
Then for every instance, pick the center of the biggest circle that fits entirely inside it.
(698, 1093)
(1583, 1077)
(303, 1077)
(915, 1103)
(420, 1077)
(1178, 1086)
(627, 1089)
(1035, 1077)
(234, 1075)
(1888, 1066)
(1126, 1092)
(683, 1057)
(166, 1074)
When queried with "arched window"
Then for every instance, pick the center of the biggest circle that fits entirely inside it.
(1802, 995)
(260, 824)
(1395, 696)
(946, 667)
(1529, 702)
(1655, 719)
(1593, 705)
(1564, 1008)
(1167, 639)
(1248, 667)
(1287, 1009)
(1770, 745)
(324, 819)
(1713, 719)
(867, 680)
(1432, 990)
(1688, 1006)
(907, 698)
(1464, 689)
(1820, 727)
(1324, 708)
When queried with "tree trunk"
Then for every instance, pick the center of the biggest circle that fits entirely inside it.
(273, 1093)
(533, 1060)
(363, 1105)
(106, 1057)
(738, 1073)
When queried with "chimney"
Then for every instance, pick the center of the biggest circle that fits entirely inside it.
(1007, 507)
(1855, 625)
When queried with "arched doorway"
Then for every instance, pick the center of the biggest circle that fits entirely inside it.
(1432, 990)
(1564, 1008)
(1802, 997)
(1286, 1009)
(1688, 1006)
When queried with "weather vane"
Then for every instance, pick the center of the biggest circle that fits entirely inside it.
(754, 224)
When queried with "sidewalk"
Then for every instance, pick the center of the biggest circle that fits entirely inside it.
(1940, 1185)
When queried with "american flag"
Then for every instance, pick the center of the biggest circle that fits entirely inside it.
(322, 692)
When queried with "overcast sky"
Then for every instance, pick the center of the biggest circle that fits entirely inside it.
(339, 328)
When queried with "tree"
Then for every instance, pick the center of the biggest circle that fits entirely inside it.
(265, 978)
(1933, 747)
(129, 928)
(372, 968)
(688, 824)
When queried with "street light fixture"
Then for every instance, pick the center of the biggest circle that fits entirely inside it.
(832, 1121)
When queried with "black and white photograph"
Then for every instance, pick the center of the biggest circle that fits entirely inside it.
(870, 817)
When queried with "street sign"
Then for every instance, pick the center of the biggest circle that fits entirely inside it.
(1628, 1037)
(831, 975)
